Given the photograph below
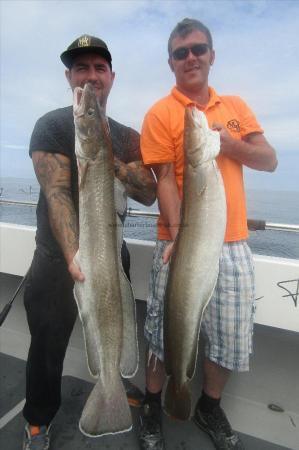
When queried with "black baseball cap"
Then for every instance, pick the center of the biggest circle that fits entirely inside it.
(85, 44)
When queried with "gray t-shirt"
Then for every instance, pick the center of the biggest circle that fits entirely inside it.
(55, 133)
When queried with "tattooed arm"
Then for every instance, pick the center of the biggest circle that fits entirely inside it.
(138, 180)
(53, 172)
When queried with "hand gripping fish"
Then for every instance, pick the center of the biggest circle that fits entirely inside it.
(105, 299)
(194, 265)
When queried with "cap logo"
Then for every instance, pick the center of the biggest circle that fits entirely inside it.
(84, 41)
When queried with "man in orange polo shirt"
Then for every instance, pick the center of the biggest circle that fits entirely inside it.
(228, 320)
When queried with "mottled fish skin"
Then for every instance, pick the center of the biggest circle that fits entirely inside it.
(99, 298)
(194, 265)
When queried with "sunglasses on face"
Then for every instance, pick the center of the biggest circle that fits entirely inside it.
(197, 50)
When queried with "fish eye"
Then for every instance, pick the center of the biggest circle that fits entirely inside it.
(90, 112)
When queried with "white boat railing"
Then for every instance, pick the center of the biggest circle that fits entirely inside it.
(253, 224)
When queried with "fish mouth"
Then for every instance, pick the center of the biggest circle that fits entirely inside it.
(77, 103)
(80, 96)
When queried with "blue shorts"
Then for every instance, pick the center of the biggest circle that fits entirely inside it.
(227, 324)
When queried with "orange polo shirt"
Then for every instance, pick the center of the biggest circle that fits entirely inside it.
(162, 142)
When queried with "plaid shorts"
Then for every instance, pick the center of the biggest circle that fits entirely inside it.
(227, 324)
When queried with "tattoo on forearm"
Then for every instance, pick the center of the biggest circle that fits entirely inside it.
(64, 220)
(138, 180)
(51, 168)
(54, 174)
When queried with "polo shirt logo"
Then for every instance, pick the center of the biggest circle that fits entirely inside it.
(234, 125)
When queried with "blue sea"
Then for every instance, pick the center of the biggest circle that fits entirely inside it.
(271, 206)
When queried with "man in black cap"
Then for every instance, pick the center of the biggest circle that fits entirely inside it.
(49, 302)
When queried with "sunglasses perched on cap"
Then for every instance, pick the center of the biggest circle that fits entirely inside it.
(197, 50)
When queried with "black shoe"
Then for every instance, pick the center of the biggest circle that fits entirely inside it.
(219, 429)
(150, 432)
(134, 394)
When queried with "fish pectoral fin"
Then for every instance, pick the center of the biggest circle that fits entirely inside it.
(120, 196)
(83, 166)
(76, 259)
(201, 184)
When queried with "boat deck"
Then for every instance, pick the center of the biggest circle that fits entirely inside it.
(65, 432)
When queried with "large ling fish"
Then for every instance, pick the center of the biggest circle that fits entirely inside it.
(194, 265)
(105, 299)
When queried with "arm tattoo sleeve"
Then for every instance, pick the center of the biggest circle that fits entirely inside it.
(139, 181)
(53, 172)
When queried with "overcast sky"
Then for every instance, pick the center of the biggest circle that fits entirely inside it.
(256, 44)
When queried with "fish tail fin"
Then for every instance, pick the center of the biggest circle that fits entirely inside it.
(177, 400)
(106, 410)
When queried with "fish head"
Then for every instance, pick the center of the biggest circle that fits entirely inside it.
(90, 122)
(201, 144)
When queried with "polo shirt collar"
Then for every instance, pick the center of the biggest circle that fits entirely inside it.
(185, 101)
